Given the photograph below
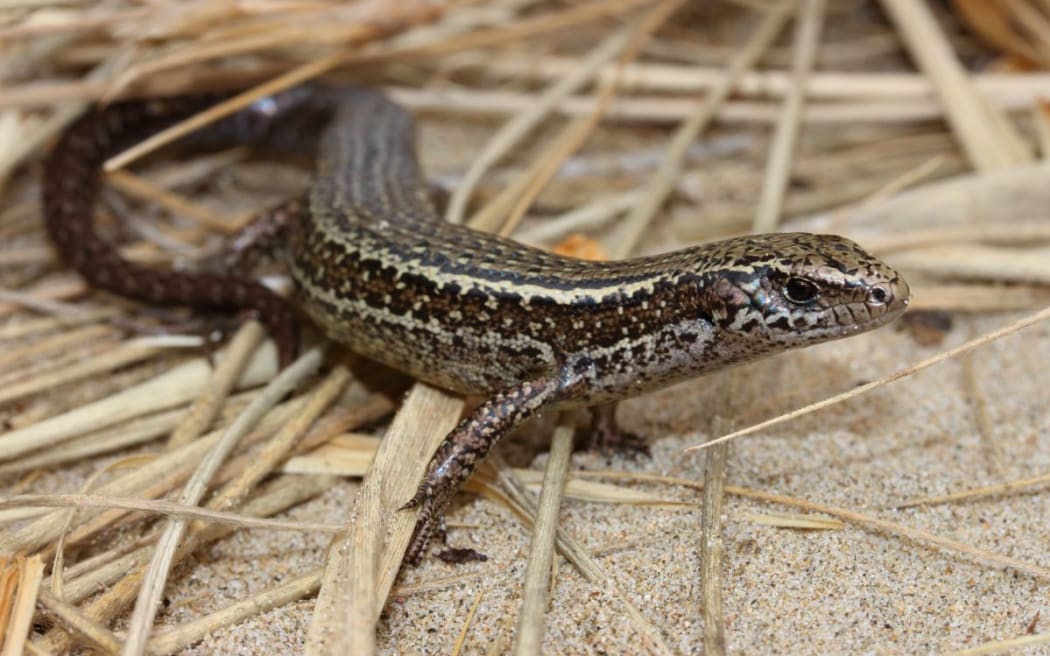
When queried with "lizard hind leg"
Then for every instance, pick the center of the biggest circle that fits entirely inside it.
(262, 237)
(606, 434)
(465, 447)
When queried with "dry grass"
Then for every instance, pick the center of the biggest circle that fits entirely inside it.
(161, 457)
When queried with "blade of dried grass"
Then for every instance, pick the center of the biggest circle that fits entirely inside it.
(1002, 197)
(172, 640)
(1019, 233)
(469, 16)
(20, 256)
(660, 109)
(514, 130)
(19, 358)
(129, 352)
(979, 262)
(979, 298)
(116, 598)
(712, 548)
(376, 20)
(855, 48)
(172, 388)
(808, 25)
(908, 532)
(468, 621)
(166, 508)
(61, 21)
(507, 209)
(1010, 646)
(664, 78)
(585, 217)
(661, 184)
(1020, 324)
(71, 619)
(351, 455)
(45, 94)
(529, 638)
(92, 564)
(41, 296)
(123, 592)
(738, 219)
(15, 626)
(853, 517)
(357, 407)
(45, 325)
(523, 504)
(977, 492)
(1041, 120)
(285, 492)
(8, 588)
(1012, 91)
(138, 187)
(229, 370)
(520, 29)
(254, 468)
(12, 515)
(156, 576)
(778, 520)
(128, 433)
(923, 171)
(367, 543)
(986, 135)
(340, 615)
(149, 480)
(604, 493)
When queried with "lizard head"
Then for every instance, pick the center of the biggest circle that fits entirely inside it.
(793, 289)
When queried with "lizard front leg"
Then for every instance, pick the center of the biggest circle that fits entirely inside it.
(466, 446)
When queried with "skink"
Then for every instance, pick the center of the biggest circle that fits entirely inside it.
(378, 271)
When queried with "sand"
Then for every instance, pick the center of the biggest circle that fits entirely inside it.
(851, 590)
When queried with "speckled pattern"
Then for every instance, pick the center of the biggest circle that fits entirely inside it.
(376, 269)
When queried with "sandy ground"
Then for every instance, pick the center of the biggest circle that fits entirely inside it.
(786, 591)
(846, 591)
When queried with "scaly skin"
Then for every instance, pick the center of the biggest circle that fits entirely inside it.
(377, 270)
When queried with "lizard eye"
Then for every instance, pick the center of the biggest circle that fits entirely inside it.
(800, 290)
(879, 295)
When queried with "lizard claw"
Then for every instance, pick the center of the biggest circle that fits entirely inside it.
(430, 525)
(415, 501)
(431, 521)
